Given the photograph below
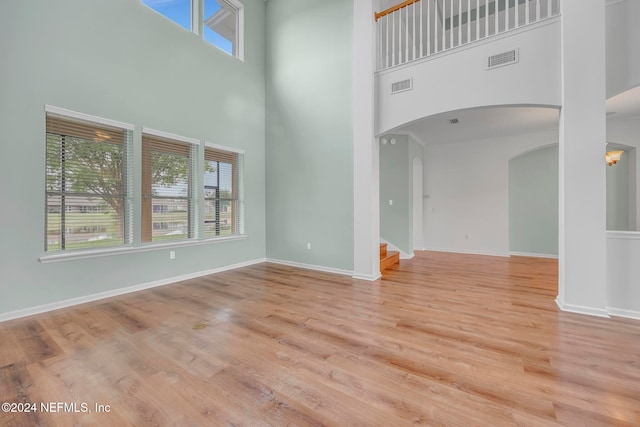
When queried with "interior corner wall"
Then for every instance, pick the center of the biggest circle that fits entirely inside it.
(618, 194)
(395, 192)
(467, 192)
(622, 41)
(119, 60)
(533, 202)
(626, 131)
(309, 171)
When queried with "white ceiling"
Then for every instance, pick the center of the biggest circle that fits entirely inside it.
(482, 123)
(625, 105)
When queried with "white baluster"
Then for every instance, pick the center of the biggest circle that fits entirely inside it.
(527, 14)
(421, 34)
(495, 12)
(406, 34)
(415, 41)
(444, 18)
(477, 19)
(451, 27)
(486, 18)
(435, 35)
(538, 5)
(393, 38)
(459, 23)
(468, 21)
(506, 15)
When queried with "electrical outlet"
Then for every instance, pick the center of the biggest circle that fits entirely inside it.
(309, 246)
(390, 202)
(172, 255)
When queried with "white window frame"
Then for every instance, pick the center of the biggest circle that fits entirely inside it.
(239, 186)
(197, 23)
(128, 190)
(194, 199)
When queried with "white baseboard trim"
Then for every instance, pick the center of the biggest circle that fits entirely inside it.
(370, 278)
(621, 312)
(120, 291)
(310, 266)
(590, 311)
(455, 251)
(533, 255)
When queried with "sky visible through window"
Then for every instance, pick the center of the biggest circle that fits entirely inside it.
(179, 11)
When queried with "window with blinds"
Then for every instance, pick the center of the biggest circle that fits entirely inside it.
(87, 204)
(222, 193)
(167, 189)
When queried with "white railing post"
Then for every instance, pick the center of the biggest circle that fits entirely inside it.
(468, 21)
(406, 34)
(459, 23)
(495, 12)
(393, 39)
(387, 51)
(451, 27)
(421, 33)
(414, 32)
(506, 15)
(486, 18)
(477, 19)
(444, 18)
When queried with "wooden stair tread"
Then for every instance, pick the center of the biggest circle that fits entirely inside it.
(383, 249)
(391, 258)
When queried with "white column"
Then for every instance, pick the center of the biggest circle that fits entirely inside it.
(366, 209)
(582, 227)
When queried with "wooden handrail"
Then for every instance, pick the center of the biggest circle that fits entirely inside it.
(392, 9)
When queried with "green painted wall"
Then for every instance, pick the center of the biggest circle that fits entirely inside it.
(396, 184)
(309, 132)
(533, 202)
(618, 194)
(120, 60)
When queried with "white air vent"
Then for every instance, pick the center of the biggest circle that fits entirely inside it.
(401, 86)
(505, 58)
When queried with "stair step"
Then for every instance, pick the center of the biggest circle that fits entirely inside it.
(390, 259)
(383, 249)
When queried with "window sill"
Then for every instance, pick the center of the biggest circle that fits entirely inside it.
(95, 253)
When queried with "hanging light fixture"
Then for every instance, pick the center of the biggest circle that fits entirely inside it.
(613, 157)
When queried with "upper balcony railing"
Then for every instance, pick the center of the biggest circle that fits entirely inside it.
(415, 29)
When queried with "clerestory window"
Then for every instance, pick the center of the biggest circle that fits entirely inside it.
(219, 22)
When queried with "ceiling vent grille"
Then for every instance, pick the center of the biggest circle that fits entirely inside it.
(401, 86)
(454, 121)
(501, 59)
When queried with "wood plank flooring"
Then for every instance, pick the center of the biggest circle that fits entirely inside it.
(445, 340)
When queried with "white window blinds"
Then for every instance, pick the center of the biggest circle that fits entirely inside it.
(167, 189)
(223, 208)
(86, 186)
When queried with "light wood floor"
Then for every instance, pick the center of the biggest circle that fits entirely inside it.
(446, 340)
